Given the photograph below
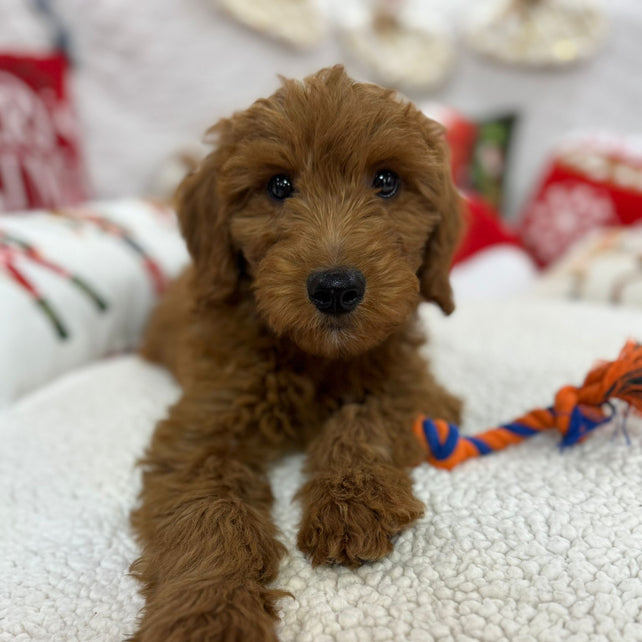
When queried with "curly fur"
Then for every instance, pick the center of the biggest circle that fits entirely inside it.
(263, 371)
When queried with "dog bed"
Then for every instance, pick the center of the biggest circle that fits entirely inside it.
(527, 544)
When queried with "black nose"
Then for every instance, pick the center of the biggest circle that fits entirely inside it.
(336, 291)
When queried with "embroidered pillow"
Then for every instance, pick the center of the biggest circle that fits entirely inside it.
(78, 284)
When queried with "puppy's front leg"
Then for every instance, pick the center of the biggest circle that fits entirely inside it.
(209, 546)
(359, 494)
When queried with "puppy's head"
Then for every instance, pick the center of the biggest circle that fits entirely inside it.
(335, 200)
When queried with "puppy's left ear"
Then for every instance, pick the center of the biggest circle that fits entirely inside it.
(434, 274)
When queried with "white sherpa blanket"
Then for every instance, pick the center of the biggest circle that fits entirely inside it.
(527, 544)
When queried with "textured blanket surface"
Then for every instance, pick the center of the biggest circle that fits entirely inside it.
(526, 544)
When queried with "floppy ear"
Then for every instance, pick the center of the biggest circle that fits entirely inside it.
(434, 273)
(204, 224)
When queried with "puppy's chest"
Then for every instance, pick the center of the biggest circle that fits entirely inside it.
(302, 399)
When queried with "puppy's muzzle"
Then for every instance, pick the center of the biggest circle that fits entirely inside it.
(336, 291)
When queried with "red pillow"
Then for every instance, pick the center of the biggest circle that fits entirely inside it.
(591, 182)
(483, 229)
(41, 164)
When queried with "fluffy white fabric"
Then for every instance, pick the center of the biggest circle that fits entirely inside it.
(528, 544)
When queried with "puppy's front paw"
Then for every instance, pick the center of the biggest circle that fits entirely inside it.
(350, 518)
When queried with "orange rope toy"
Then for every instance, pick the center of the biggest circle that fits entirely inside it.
(575, 413)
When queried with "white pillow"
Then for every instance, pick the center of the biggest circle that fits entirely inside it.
(604, 266)
(78, 284)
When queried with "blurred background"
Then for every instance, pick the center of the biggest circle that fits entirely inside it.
(106, 100)
(149, 76)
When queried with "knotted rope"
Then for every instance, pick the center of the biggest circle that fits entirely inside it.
(575, 413)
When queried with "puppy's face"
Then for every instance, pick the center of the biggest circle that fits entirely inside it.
(336, 200)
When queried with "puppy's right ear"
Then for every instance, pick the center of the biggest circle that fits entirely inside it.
(434, 275)
(204, 224)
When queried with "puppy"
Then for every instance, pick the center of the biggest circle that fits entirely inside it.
(324, 216)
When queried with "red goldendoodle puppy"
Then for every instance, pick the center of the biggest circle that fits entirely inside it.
(323, 217)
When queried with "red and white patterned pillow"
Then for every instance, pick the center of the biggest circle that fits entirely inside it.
(41, 163)
(591, 182)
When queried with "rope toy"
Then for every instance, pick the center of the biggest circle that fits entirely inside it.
(575, 413)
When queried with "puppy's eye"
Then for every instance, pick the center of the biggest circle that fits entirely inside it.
(280, 187)
(386, 182)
